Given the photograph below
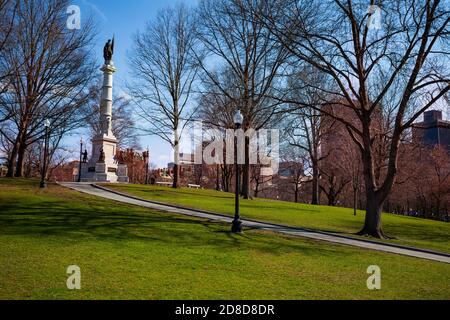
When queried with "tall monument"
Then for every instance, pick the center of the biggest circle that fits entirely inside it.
(102, 166)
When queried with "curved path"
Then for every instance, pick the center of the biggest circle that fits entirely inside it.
(293, 231)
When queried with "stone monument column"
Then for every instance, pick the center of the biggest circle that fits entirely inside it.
(103, 166)
(104, 144)
(106, 103)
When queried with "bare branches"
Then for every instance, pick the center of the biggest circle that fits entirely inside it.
(241, 65)
(8, 11)
(244, 52)
(50, 71)
(165, 72)
(123, 122)
(396, 70)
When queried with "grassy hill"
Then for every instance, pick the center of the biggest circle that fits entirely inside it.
(410, 231)
(129, 252)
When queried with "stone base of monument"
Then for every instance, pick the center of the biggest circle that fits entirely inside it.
(104, 174)
(122, 173)
(101, 175)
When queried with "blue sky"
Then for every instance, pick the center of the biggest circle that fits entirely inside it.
(123, 18)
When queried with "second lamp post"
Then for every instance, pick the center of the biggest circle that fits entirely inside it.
(81, 160)
(236, 226)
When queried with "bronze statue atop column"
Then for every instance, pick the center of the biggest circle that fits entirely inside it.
(108, 50)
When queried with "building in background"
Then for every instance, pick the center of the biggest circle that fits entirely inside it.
(433, 131)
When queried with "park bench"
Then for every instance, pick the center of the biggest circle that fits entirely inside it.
(196, 186)
(167, 184)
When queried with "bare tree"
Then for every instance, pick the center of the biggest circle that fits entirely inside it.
(429, 179)
(242, 62)
(51, 68)
(351, 166)
(258, 179)
(303, 127)
(216, 112)
(292, 170)
(342, 165)
(165, 71)
(303, 131)
(8, 10)
(123, 122)
(399, 65)
(333, 182)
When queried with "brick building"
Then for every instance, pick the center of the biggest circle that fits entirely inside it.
(432, 131)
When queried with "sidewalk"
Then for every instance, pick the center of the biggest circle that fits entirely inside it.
(299, 232)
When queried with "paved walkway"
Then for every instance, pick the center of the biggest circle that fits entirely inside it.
(299, 232)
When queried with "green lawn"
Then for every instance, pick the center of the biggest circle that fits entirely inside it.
(410, 231)
(130, 252)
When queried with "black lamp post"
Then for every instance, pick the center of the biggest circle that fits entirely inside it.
(81, 159)
(146, 158)
(44, 165)
(236, 226)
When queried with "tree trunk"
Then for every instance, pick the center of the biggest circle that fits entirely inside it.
(256, 189)
(331, 199)
(176, 171)
(217, 178)
(12, 160)
(20, 160)
(374, 197)
(315, 184)
(360, 198)
(372, 223)
(176, 157)
(224, 179)
(355, 200)
(245, 189)
(257, 184)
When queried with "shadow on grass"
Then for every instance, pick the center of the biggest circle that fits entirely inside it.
(18, 182)
(255, 205)
(416, 233)
(90, 219)
(177, 193)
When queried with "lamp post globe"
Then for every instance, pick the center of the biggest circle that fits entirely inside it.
(236, 226)
(238, 119)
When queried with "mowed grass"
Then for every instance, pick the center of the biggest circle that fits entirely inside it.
(410, 231)
(128, 252)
